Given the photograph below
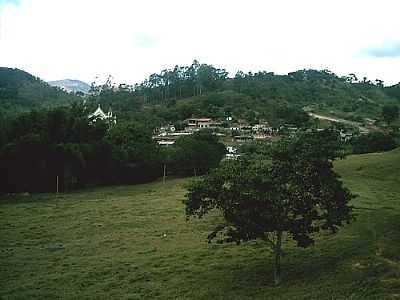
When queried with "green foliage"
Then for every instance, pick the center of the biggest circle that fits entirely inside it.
(135, 151)
(390, 113)
(182, 82)
(134, 140)
(393, 91)
(196, 154)
(41, 146)
(171, 96)
(21, 92)
(373, 142)
(259, 96)
(204, 90)
(254, 149)
(293, 191)
(292, 115)
(38, 147)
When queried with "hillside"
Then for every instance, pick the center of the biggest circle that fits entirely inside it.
(20, 91)
(71, 85)
(393, 91)
(202, 90)
(132, 242)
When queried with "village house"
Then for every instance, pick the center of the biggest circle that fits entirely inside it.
(263, 128)
(244, 138)
(166, 142)
(165, 139)
(231, 153)
(164, 130)
(345, 136)
(260, 136)
(199, 123)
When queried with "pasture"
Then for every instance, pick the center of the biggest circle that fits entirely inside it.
(133, 242)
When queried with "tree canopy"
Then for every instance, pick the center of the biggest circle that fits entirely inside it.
(203, 90)
(390, 113)
(38, 147)
(373, 142)
(196, 154)
(293, 191)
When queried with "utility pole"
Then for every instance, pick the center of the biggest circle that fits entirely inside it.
(57, 185)
(165, 172)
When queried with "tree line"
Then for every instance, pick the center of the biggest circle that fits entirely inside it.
(39, 148)
(202, 90)
(181, 82)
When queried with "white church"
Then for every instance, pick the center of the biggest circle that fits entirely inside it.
(100, 114)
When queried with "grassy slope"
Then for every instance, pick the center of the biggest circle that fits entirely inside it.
(108, 243)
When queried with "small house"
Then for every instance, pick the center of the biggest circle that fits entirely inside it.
(199, 123)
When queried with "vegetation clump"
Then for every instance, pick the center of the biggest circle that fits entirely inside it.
(292, 192)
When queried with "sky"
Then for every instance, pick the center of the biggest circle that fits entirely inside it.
(131, 39)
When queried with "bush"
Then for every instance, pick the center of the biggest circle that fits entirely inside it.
(373, 142)
(196, 154)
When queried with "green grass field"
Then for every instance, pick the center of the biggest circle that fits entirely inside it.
(133, 242)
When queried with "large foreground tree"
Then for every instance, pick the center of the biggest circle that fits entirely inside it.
(292, 191)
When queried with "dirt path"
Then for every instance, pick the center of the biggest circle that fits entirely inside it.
(337, 120)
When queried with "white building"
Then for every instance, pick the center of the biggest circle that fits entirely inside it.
(199, 123)
(99, 114)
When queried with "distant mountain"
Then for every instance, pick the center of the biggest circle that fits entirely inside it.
(71, 85)
(21, 91)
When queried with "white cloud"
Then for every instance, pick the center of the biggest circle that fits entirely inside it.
(80, 39)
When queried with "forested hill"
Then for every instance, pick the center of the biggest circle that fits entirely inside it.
(203, 90)
(20, 91)
(394, 91)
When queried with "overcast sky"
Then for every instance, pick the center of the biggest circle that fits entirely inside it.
(82, 39)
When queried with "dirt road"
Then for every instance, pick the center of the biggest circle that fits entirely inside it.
(337, 120)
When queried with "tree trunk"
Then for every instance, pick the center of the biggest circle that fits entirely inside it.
(278, 253)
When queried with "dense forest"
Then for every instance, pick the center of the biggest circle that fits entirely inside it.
(42, 147)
